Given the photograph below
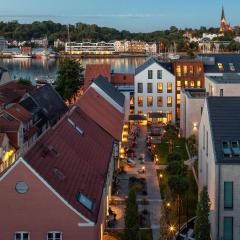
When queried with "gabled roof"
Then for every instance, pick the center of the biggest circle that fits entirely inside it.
(49, 101)
(211, 62)
(30, 105)
(224, 117)
(19, 113)
(110, 90)
(94, 70)
(65, 159)
(102, 112)
(152, 60)
(8, 123)
(12, 92)
(122, 78)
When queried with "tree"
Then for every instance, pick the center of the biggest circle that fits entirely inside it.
(174, 157)
(202, 225)
(178, 184)
(70, 78)
(23, 81)
(176, 168)
(131, 230)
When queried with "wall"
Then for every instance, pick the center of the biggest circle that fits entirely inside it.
(37, 211)
(142, 77)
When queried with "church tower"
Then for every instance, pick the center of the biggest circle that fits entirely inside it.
(224, 26)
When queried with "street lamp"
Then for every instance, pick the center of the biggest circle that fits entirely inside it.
(161, 175)
(168, 205)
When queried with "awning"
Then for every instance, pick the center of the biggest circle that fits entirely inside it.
(157, 115)
(137, 118)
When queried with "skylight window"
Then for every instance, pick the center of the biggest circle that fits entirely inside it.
(85, 201)
(76, 126)
(58, 174)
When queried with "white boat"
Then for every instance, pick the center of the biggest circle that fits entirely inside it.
(21, 55)
(44, 80)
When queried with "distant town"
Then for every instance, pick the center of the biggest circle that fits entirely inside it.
(98, 154)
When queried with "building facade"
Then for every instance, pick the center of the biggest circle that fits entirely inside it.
(219, 164)
(154, 86)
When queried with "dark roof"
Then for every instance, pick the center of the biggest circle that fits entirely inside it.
(211, 62)
(102, 112)
(110, 90)
(65, 159)
(150, 61)
(231, 78)
(224, 117)
(30, 105)
(50, 102)
(137, 117)
(195, 92)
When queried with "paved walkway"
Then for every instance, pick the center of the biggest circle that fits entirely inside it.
(152, 184)
(153, 191)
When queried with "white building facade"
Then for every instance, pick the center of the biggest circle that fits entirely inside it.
(155, 90)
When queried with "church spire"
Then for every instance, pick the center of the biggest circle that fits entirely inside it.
(223, 14)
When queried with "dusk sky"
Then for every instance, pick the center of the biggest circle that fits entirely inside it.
(133, 15)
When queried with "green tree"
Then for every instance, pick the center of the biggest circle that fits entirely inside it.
(176, 168)
(202, 225)
(174, 157)
(131, 230)
(26, 82)
(178, 184)
(70, 78)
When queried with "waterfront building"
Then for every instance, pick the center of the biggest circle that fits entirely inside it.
(119, 46)
(41, 42)
(89, 48)
(189, 74)
(219, 164)
(151, 48)
(59, 43)
(62, 185)
(224, 26)
(135, 47)
(155, 91)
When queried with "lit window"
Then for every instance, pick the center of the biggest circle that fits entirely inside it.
(132, 100)
(198, 84)
(149, 101)
(159, 87)
(178, 98)
(185, 70)
(159, 74)
(178, 89)
(199, 70)
(54, 236)
(140, 112)
(192, 84)
(140, 101)
(191, 69)
(169, 87)
(149, 87)
(220, 66)
(150, 74)
(140, 87)
(186, 83)
(21, 236)
(178, 71)
(169, 101)
(169, 116)
(159, 101)
(179, 83)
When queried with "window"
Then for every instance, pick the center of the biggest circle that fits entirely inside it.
(220, 66)
(149, 88)
(169, 101)
(199, 70)
(191, 70)
(150, 74)
(149, 101)
(169, 116)
(221, 92)
(159, 101)
(192, 84)
(54, 236)
(178, 98)
(228, 195)
(85, 201)
(159, 74)
(232, 67)
(159, 87)
(185, 71)
(178, 71)
(198, 83)
(228, 228)
(169, 87)
(140, 101)
(21, 236)
(186, 83)
(178, 83)
(140, 87)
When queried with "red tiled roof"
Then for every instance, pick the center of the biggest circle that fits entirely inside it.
(122, 78)
(66, 160)
(102, 112)
(12, 92)
(92, 71)
(19, 113)
(30, 132)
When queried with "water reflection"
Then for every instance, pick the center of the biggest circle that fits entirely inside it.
(33, 68)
